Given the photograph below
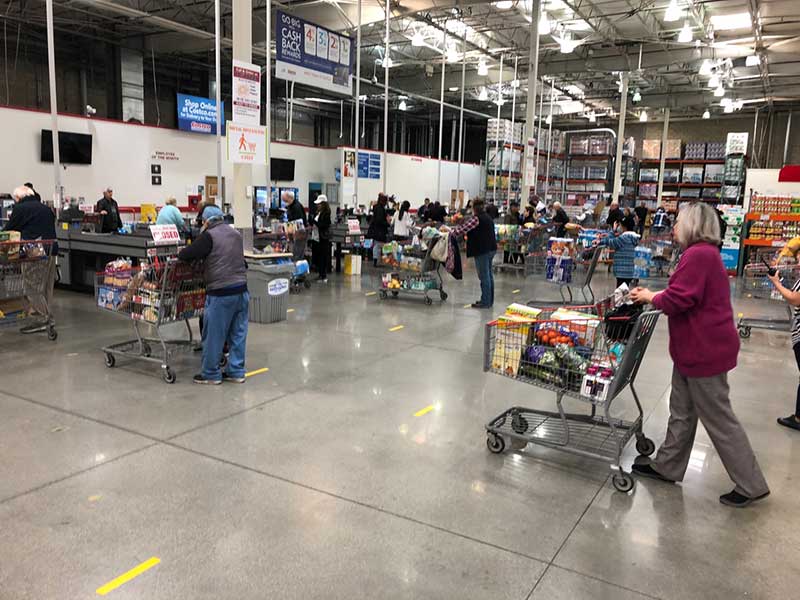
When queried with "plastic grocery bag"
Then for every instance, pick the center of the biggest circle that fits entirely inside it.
(439, 252)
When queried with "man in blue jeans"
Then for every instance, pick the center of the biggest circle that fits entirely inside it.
(225, 315)
(481, 245)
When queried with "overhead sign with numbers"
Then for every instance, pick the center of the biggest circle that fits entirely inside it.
(312, 55)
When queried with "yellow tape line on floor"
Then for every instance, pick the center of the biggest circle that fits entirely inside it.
(256, 372)
(370, 293)
(424, 411)
(126, 577)
(288, 310)
(515, 291)
(397, 328)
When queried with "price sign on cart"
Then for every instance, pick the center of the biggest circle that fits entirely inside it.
(164, 235)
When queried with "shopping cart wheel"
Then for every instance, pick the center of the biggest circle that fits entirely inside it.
(383, 295)
(495, 443)
(645, 446)
(168, 375)
(744, 332)
(307, 284)
(395, 293)
(146, 349)
(443, 295)
(428, 301)
(623, 482)
(519, 424)
(110, 360)
(52, 334)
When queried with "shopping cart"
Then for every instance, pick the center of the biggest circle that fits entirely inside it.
(412, 270)
(586, 354)
(27, 275)
(153, 294)
(582, 270)
(536, 254)
(755, 284)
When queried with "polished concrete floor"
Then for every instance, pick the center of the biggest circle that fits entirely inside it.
(315, 479)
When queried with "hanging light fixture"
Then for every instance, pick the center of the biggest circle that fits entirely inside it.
(637, 96)
(452, 55)
(484, 95)
(504, 4)
(592, 117)
(673, 12)
(707, 115)
(417, 39)
(403, 105)
(686, 35)
(752, 61)
(706, 68)
(483, 70)
(549, 119)
(643, 117)
(719, 92)
(714, 81)
(738, 104)
(728, 109)
(566, 43)
(388, 62)
(544, 24)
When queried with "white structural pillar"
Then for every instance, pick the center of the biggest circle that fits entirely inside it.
(530, 107)
(385, 171)
(550, 144)
(662, 164)
(514, 83)
(268, 78)
(623, 109)
(51, 67)
(497, 141)
(218, 98)
(243, 174)
(441, 118)
(357, 137)
(538, 141)
(459, 154)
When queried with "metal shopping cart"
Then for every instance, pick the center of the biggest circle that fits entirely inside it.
(577, 273)
(27, 275)
(536, 254)
(412, 271)
(755, 284)
(153, 294)
(586, 354)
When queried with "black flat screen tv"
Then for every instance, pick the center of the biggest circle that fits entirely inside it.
(73, 148)
(281, 169)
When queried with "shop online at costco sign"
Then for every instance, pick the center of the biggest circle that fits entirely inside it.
(198, 114)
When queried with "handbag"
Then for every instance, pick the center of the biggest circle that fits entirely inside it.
(439, 250)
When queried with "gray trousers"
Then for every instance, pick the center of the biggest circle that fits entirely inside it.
(707, 398)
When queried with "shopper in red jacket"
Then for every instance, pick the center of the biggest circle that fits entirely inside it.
(703, 345)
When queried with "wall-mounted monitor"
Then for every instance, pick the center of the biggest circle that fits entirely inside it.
(281, 169)
(73, 148)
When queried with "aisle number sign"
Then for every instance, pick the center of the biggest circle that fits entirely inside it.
(164, 235)
(247, 144)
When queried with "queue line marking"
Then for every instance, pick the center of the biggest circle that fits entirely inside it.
(370, 293)
(396, 328)
(424, 411)
(127, 576)
(256, 372)
(515, 291)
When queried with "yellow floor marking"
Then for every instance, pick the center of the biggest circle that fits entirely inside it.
(257, 372)
(424, 411)
(94, 498)
(371, 293)
(288, 310)
(397, 328)
(468, 306)
(126, 577)
(515, 291)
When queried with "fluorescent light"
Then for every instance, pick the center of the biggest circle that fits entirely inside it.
(544, 24)
(418, 40)
(484, 95)
(706, 115)
(637, 96)
(719, 92)
(738, 104)
(515, 83)
(673, 12)
(728, 109)
(482, 68)
(549, 119)
(452, 89)
(452, 55)
(388, 62)
(504, 4)
(592, 117)
(726, 102)
(733, 21)
(752, 61)
(714, 81)
(686, 35)
(706, 68)
(403, 105)
(567, 44)
(643, 117)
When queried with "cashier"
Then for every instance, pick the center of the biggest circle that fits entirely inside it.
(109, 208)
(170, 214)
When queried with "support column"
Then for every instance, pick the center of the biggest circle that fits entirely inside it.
(268, 78)
(497, 141)
(460, 156)
(218, 99)
(623, 109)
(242, 174)
(530, 107)
(441, 118)
(550, 146)
(662, 164)
(385, 170)
(513, 117)
(786, 141)
(51, 68)
(358, 99)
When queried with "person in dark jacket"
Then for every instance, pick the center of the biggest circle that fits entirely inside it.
(36, 195)
(641, 217)
(560, 218)
(481, 245)
(512, 216)
(423, 211)
(295, 212)
(615, 215)
(322, 220)
(437, 212)
(227, 301)
(492, 210)
(378, 230)
(109, 208)
(35, 221)
(628, 220)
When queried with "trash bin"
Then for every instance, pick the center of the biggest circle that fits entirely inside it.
(268, 285)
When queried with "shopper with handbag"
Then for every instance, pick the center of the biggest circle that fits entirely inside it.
(703, 344)
(378, 230)
(322, 222)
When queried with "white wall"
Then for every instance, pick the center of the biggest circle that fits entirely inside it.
(765, 182)
(121, 159)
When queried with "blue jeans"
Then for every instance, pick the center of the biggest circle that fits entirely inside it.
(483, 264)
(225, 319)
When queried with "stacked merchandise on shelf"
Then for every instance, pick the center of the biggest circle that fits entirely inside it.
(774, 230)
(773, 205)
(695, 151)
(715, 150)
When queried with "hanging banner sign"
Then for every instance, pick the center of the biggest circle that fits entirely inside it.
(246, 93)
(247, 144)
(198, 114)
(312, 55)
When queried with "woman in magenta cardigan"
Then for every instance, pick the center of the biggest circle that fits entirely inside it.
(703, 345)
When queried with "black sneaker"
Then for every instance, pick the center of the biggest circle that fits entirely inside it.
(649, 471)
(791, 422)
(203, 381)
(478, 305)
(737, 500)
(226, 377)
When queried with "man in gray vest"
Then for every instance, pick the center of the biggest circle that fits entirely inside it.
(226, 311)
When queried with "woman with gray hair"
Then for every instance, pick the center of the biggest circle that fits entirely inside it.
(703, 344)
(170, 214)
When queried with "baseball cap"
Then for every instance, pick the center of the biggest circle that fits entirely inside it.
(320, 199)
